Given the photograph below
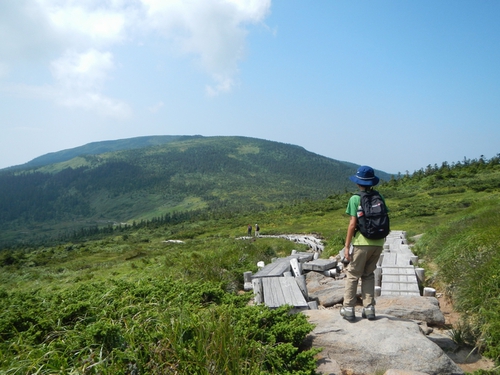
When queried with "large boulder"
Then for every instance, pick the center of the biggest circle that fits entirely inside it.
(326, 290)
(424, 309)
(374, 346)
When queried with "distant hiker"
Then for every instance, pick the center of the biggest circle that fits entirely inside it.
(257, 229)
(361, 252)
(249, 230)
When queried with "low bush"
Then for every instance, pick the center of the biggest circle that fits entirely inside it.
(153, 326)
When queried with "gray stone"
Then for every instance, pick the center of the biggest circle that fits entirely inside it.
(374, 346)
(326, 290)
(425, 309)
(403, 372)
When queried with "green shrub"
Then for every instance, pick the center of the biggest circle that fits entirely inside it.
(151, 326)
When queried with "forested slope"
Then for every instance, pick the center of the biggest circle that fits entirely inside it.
(185, 174)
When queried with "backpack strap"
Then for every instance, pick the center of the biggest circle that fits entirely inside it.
(360, 194)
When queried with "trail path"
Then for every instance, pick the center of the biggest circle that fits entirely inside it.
(396, 335)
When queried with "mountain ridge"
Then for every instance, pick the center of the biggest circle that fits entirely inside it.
(99, 147)
(148, 177)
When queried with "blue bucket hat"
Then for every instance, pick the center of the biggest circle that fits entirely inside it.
(365, 176)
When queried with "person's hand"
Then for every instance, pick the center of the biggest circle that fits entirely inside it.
(346, 253)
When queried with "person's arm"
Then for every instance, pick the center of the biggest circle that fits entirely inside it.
(350, 234)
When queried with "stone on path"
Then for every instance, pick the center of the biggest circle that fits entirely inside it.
(424, 309)
(374, 346)
(326, 290)
(403, 372)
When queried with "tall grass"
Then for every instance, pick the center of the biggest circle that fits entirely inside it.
(466, 251)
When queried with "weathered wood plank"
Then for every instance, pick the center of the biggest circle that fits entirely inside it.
(303, 257)
(275, 269)
(398, 271)
(389, 259)
(279, 291)
(258, 291)
(319, 265)
(398, 274)
(273, 296)
(402, 259)
(292, 293)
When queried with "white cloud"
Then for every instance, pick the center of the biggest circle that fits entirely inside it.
(79, 81)
(99, 25)
(24, 32)
(96, 102)
(211, 30)
(83, 34)
(223, 84)
(82, 71)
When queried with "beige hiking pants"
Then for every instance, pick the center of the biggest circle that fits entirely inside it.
(363, 262)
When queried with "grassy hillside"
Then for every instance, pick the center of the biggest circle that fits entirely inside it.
(126, 301)
(96, 148)
(140, 183)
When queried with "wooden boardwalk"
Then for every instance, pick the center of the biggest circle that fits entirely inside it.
(397, 269)
(282, 282)
(280, 291)
(275, 286)
(282, 265)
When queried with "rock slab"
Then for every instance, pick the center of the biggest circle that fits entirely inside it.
(424, 309)
(327, 291)
(369, 347)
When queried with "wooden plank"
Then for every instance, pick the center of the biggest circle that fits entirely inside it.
(402, 259)
(292, 293)
(303, 257)
(294, 263)
(320, 265)
(279, 291)
(398, 275)
(258, 291)
(399, 281)
(275, 269)
(389, 259)
(273, 295)
(400, 287)
(409, 270)
(400, 293)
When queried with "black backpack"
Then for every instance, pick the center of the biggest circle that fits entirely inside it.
(373, 220)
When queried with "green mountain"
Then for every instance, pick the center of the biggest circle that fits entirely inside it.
(149, 177)
(128, 300)
(102, 147)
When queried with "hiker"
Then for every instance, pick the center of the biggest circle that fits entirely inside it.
(257, 229)
(249, 230)
(361, 252)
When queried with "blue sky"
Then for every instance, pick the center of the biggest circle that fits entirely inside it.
(397, 85)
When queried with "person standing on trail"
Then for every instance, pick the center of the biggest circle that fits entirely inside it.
(249, 230)
(362, 253)
(257, 230)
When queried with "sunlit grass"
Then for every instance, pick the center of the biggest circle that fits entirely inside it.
(131, 301)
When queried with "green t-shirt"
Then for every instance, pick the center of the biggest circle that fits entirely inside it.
(359, 239)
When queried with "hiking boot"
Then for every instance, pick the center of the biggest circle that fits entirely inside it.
(347, 313)
(368, 312)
